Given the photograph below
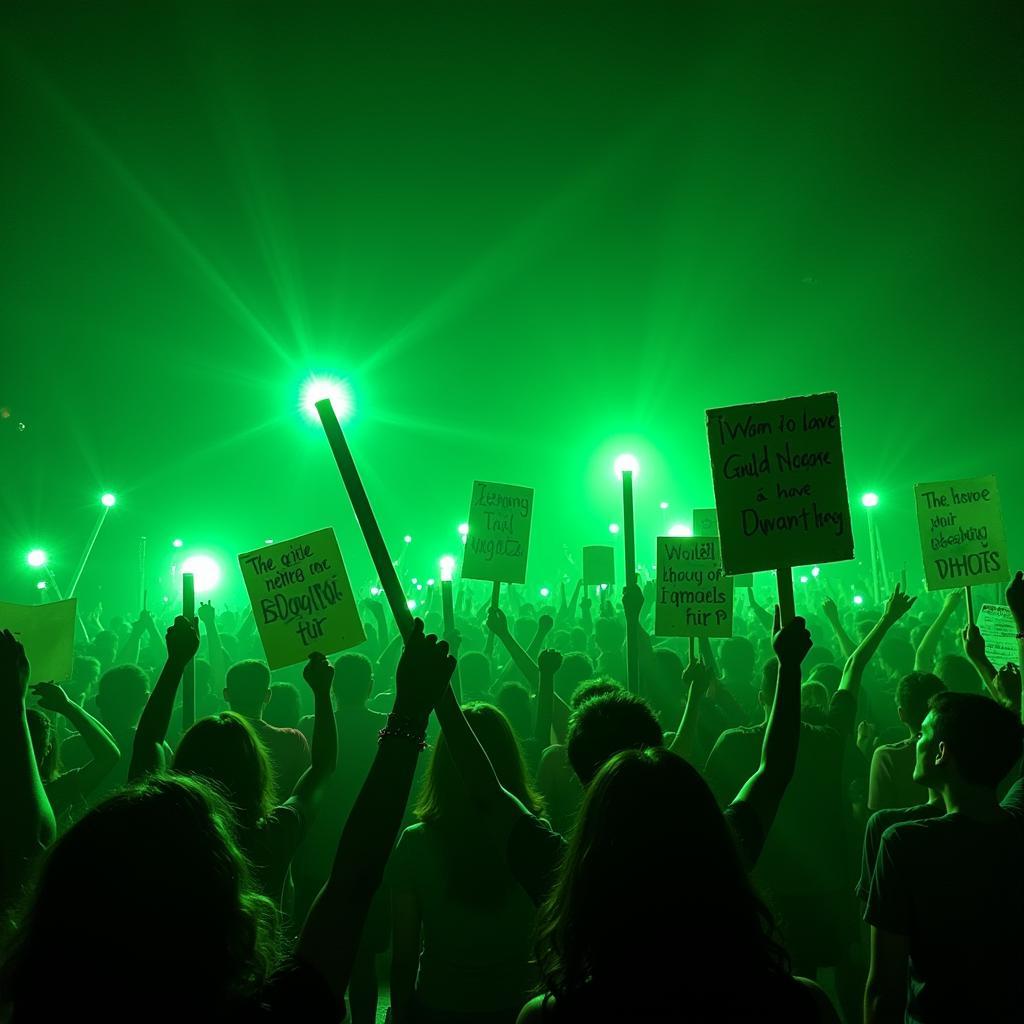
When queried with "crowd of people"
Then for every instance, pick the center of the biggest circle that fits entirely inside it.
(811, 821)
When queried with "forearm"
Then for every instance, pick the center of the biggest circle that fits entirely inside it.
(526, 665)
(29, 824)
(95, 736)
(545, 703)
(853, 671)
(324, 748)
(128, 652)
(782, 736)
(924, 660)
(470, 758)
(155, 721)
(846, 644)
(683, 741)
(763, 617)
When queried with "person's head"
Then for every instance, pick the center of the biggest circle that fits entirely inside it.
(913, 692)
(44, 743)
(104, 647)
(817, 656)
(247, 688)
(353, 681)
(575, 668)
(736, 658)
(591, 688)
(829, 675)
(813, 702)
(602, 727)
(120, 697)
(958, 674)
(648, 820)
(513, 699)
(897, 654)
(225, 750)
(85, 674)
(577, 639)
(966, 739)
(285, 706)
(146, 898)
(608, 635)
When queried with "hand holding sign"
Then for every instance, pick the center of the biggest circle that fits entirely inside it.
(424, 670)
(318, 673)
(182, 642)
(1015, 599)
(792, 641)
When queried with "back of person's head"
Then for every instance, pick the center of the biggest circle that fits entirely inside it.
(829, 675)
(981, 740)
(247, 686)
(602, 727)
(958, 674)
(648, 820)
(897, 654)
(104, 646)
(817, 656)
(576, 667)
(913, 692)
(513, 699)
(591, 688)
(353, 681)
(813, 702)
(736, 658)
(577, 639)
(121, 696)
(475, 675)
(44, 743)
(225, 750)
(144, 908)
(608, 635)
(85, 674)
(285, 706)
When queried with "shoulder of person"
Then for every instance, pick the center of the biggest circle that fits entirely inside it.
(535, 1010)
(825, 1012)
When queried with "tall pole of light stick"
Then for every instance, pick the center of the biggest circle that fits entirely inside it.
(448, 615)
(142, 573)
(632, 632)
(389, 581)
(787, 599)
(90, 544)
(188, 677)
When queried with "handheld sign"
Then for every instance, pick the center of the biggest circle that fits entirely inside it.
(598, 565)
(962, 537)
(999, 630)
(47, 632)
(780, 483)
(705, 524)
(694, 596)
(301, 598)
(498, 540)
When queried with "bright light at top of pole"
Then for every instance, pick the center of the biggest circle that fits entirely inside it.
(36, 558)
(177, 542)
(464, 528)
(663, 505)
(205, 572)
(870, 500)
(447, 568)
(613, 527)
(315, 388)
(544, 592)
(108, 500)
(627, 462)
(857, 599)
(41, 585)
(680, 530)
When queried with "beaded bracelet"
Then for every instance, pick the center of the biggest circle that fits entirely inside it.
(401, 728)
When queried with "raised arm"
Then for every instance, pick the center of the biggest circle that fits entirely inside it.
(831, 612)
(128, 652)
(896, 607)
(331, 934)
(764, 790)
(974, 649)
(28, 825)
(548, 665)
(763, 617)
(497, 623)
(218, 664)
(544, 626)
(697, 677)
(318, 673)
(147, 749)
(924, 660)
(1015, 600)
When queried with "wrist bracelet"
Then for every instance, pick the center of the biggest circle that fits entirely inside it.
(400, 728)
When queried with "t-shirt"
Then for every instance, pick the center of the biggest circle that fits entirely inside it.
(271, 845)
(876, 826)
(289, 753)
(954, 887)
(891, 783)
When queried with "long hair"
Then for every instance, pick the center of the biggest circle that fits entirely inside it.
(144, 906)
(652, 899)
(225, 750)
(476, 869)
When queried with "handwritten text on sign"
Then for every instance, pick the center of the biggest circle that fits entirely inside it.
(999, 628)
(705, 524)
(780, 483)
(962, 537)
(694, 596)
(499, 533)
(301, 598)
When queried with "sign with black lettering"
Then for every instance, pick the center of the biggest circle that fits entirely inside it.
(780, 483)
(694, 596)
(498, 541)
(301, 598)
(999, 629)
(705, 524)
(962, 537)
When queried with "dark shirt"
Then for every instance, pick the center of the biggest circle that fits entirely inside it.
(876, 826)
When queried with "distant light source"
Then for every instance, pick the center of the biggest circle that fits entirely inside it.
(447, 568)
(419, 586)
(604, 586)
(544, 592)
(36, 558)
(415, 580)
(680, 530)
(407, 538)
(613, 527)
(41, 585)
(177, 542)
(463, 529)
(411, 604)
(628, 463)
(803, 579)
(815, 572)
(663, 505)
(374, 591)
(205, 570)
(869, 500)
(108, 500)
(269, 540)
(430, 583)
(338, 391)
(857, 599)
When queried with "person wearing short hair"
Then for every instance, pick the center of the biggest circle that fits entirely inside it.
(947, 894)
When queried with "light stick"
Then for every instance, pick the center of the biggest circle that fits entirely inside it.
(142, 573)
(626, 465)
(188, 677)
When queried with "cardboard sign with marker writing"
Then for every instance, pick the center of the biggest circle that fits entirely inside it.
(598, 565)
(693, 596)
(962, 538)
(780, 483)
(301, 598)
(705, 524)
(498, 541)
(999, 629)
(47, 632)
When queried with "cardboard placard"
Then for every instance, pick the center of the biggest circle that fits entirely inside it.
(780, 483)
(301, 598)
(598, 565)
(999, 629)
(498, 541)
(693, 595)
(47, 632)
(705, 524)
(962, 538)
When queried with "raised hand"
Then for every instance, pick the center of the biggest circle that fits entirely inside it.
(545, 624)
(549, 662)
(867, 739)
(182, 642)
(1007, 685)
(424, 670)
(830, 610)
(974, 643)
(1015, 599)
(13, 667)
(318, 673)
(697, 677)
(207, 614)
(898, 605)
(953, 599)
(52, 697)
(792, 641)
(632, 600)
(497, 622)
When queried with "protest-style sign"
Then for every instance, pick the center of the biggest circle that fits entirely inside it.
(705, 524)
(780, 483)
(498, 540)
(301, 598)
(47, 632)
(999, 629)
(693, 595)
(598, 565)
(962, 538)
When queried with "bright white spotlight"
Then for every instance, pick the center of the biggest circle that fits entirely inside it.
(108, 500)
(604, 586)
(338, 391)
(544, 592)
(407, 539)
(411, 604)
(613, 527)
(869, 500)
(663, 505)
(41, 585)
(803, 579)
(204, 569)
(374, 591)
(815, 572)
(627, 462)
(430, 583)
(415, 580)
(680, 530)
(464, 528)
(447, 568)
(419, 586)
(36, 558)
(177, 542)
(857, 599)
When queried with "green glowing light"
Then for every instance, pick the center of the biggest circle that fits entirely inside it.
(544, 592)
(41, 585)
(663, 505)
(204, 569)
(108, 500)
(869, 500)
(447, 568)
(36, 558)
(857, 599)
(411, 604)
(316, 388)
(177, 542)
(431, 582)
(374, 591)
(613, 527)
(803, 579)
(680, 530)
(627, 463)
(815, 572)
